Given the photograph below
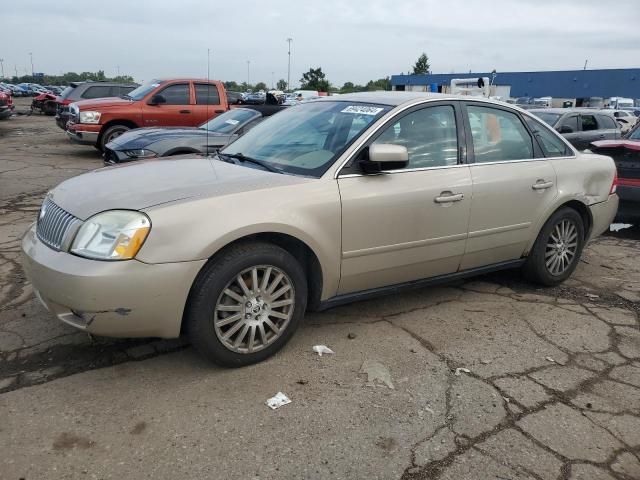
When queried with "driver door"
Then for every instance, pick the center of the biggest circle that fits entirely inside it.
(176, 111)
(410, 223)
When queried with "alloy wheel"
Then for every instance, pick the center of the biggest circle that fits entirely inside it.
(562, 247)
(254, 309)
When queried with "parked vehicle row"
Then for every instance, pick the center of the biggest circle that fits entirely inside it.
(330, 201)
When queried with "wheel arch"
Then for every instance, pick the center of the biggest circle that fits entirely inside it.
(180, 151)
(305, 255)
(575, 204)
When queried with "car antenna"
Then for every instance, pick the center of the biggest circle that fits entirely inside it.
(208, 97)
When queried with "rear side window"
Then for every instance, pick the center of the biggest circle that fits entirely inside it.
(607, 122)
(571, 122)
(207, 94)
(117, 90)
(588, 123)
(429, 134)
(498, 135)
(176, 94)
(551, 145)
(97, 91)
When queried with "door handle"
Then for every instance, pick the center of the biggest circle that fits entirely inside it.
(448, 197)
(542, 185)
(185, 111)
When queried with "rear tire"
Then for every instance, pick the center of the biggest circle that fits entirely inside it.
(235, 323)
(557, 250)
(109, 134)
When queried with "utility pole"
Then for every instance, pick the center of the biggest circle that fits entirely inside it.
(15, 69)
(2, 66)
(289, 40)
(272, 74)
(248, 76)
(31, 57)
(585, 64)
(118, 67)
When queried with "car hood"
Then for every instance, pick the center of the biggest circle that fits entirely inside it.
(624, 143)
(139, 185)
(141, 137)
(99, 103)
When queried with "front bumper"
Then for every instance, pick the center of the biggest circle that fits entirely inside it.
(603, 214)
(83, 134)
(62, 118)
(114, 299)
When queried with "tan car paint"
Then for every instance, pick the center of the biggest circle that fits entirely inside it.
(393, 230)
(198, 206)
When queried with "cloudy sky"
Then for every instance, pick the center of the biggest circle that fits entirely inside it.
(353, 40)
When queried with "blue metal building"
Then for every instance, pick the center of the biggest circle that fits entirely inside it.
(623, 82)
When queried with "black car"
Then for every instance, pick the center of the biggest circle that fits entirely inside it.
(235, 98)
(77, 91)
(581, 126)
(207, 138)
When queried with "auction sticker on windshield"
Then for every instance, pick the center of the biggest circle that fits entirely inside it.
(362, 110)
(232, 121)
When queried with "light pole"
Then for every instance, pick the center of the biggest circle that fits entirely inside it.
(272, 74)
(2, 66)
(248, 76)
(289, 40)
(31, 57)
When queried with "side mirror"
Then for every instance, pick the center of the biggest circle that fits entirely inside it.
(565, 129)
(385, 156)
(157, 100)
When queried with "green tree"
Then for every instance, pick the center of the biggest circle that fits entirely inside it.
(315, 79)
(282, 84)
(348, 87)
(260, 86)
(421, 66)
(380, 84)
(232, 86)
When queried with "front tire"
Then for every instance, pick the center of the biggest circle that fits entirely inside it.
(557, 250)
(110, 133)
(246, 304)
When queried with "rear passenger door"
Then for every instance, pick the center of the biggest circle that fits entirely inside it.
(513, 185)
(208, 103)
(609, 129)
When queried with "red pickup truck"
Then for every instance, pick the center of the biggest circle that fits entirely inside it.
(180, 102)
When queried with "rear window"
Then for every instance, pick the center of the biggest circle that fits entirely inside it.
(66, 92)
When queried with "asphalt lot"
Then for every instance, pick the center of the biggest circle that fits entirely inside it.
(551, 388)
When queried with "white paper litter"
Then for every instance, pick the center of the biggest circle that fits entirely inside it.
(549, 359)
(376, 372)
(461, 370)
(277, 401)
(322, 349)
(591, 295)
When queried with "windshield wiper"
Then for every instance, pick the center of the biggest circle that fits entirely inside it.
(243, 158)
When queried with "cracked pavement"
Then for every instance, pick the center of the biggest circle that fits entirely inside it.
(493, 378)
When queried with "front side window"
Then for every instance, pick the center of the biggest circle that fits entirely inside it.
(207, 94)
(551, 145)
(588, 123)
(498, 135)
(177, 94)
(429, 134)
(307, 139)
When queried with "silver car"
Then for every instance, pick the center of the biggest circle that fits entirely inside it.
(327, 202)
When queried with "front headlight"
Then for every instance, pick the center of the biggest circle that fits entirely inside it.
(112, 235)
(90, 117)
(140, 153)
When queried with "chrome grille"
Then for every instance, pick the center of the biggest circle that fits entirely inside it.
(53, 224)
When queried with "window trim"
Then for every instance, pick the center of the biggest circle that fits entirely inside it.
(538, 154)
(460, 132)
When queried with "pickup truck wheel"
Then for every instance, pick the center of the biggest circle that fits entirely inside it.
(246, 304)
(557, 250)
(110, 133)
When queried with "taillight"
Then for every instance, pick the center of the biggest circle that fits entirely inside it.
(614, 184)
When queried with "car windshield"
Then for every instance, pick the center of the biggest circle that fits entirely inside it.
(142, 91)
(306, 139)
(547, 117)
(229, 121)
